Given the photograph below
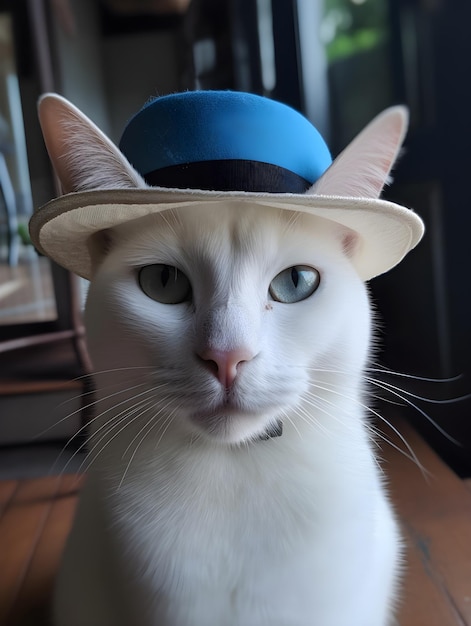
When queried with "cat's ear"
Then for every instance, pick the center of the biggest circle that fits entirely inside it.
(362, 169)
(83, 157)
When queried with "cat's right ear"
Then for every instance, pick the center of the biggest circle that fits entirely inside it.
(82, 155)
(363, 168)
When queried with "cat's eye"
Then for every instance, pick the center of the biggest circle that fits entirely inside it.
(164, 283)
(294, 284)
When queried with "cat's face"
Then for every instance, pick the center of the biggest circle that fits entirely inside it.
(229, 342)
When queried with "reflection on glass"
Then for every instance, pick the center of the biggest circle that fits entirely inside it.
(356, 37)
(26, 289)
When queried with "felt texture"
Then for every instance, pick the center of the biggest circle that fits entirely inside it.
(223, 125)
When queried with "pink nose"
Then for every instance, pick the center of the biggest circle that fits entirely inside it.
(224, 363)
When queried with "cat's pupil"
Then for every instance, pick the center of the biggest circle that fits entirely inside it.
(165, 275)
(294, 276)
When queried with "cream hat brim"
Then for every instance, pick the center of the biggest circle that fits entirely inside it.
(62, 227)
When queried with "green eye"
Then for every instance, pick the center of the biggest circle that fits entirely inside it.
(294, 284)
(165, 284)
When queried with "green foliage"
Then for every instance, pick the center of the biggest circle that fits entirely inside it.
(345, 45)
(24, 234)
(350, 27)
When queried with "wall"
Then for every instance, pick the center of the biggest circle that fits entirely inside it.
(109, 78)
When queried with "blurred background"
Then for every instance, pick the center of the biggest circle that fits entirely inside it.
(339, 62)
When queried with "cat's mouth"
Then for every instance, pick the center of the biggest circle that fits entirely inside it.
(229, 422)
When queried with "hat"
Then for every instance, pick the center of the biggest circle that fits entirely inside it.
(211, 147)
(224, 141)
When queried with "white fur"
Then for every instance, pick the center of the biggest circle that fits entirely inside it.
(188, 517)
(193, 521)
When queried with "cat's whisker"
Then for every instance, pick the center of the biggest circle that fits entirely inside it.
(379, 369)
(401, 395)
(170, 419)
(127, 418)
(375, 436)
(114, 420)
(330, 387)
(92, 376)
(389, 372)
(91, 392)
(113, 370)
(376, 433)
(153, 423)
(100, 415)
(310, 419)
(82, 430)
(388, 386)
(410, 455)
(309, 399)
(291, 421)
(395, 391)
(147, 428)
(326, 370)
(88, 406)
(159, 412)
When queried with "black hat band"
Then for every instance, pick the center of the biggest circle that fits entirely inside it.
(229, 175)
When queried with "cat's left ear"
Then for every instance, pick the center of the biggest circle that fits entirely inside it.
(83, 157)
(362, 169)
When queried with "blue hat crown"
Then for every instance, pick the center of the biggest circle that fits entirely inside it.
(226, 141)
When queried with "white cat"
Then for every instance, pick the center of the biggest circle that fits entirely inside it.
(194, 512)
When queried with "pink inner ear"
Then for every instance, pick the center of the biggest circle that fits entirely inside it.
(349, 243)
(362, 169)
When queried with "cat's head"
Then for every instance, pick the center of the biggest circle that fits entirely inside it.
(223, 312)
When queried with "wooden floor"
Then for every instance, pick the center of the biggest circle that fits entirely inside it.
(35, 517)
(435, 512)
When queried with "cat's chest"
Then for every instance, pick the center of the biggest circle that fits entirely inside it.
(217, 507)
(216, 492)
